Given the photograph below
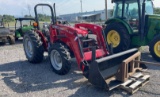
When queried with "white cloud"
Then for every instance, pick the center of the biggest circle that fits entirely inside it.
(17, 7)
(156, 3)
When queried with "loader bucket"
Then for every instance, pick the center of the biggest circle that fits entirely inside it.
(109, 72)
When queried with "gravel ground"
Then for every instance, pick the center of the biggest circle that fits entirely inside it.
(19, 78)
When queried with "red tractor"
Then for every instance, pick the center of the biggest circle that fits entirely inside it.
(86, 43)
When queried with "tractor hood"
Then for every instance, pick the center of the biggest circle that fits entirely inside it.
(81, 32)
(27, 28)
(152, 23)
(153, 20)
(72, 30)
(155, 16)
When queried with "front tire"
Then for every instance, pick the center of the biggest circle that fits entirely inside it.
(11, 40)
(118, 36)
(154, 48)
(33, 47)
(60, 58)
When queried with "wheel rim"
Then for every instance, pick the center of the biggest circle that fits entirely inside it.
(113, 38)
(28, 47)
(56, 59)
(157, 48)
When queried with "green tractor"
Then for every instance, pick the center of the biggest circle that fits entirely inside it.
(23, 27)
(134, 25)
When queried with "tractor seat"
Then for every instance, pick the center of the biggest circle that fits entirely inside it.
(99, 53)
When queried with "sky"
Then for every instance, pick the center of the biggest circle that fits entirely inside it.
(21, 7)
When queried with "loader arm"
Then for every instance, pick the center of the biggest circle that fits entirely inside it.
(74, 42)
(97, 30)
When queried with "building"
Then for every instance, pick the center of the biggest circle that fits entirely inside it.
(91, 16)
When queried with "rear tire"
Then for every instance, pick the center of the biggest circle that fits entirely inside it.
(118, 36)
(60, 58)
(33, 47)
(154, 48)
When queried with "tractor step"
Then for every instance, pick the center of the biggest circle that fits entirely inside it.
(135, 82)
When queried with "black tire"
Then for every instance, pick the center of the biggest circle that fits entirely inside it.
(36, 46)
(2, 43)
(124, 43)
(64, 54)
(16, 38)
(11, 40)
(152, 45)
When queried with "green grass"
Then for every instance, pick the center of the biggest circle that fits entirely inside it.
(10, 24)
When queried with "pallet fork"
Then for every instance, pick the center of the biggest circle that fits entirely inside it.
(127, 74)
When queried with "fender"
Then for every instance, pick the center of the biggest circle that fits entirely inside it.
(124, 23)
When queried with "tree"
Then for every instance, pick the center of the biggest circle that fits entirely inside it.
(1, 22)
(157, 10)
(28, 16)
(44, 17)
(8, 18)
(1, 17)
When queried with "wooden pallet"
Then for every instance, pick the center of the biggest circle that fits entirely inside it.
(135, 82)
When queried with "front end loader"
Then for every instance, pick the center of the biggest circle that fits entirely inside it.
(86, 43)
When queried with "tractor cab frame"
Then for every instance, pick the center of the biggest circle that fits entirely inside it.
(133, 12)
(19, 32)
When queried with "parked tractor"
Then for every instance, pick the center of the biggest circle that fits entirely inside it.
(134, 25)
(85, 42)
(6, 35)
(21, 23)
